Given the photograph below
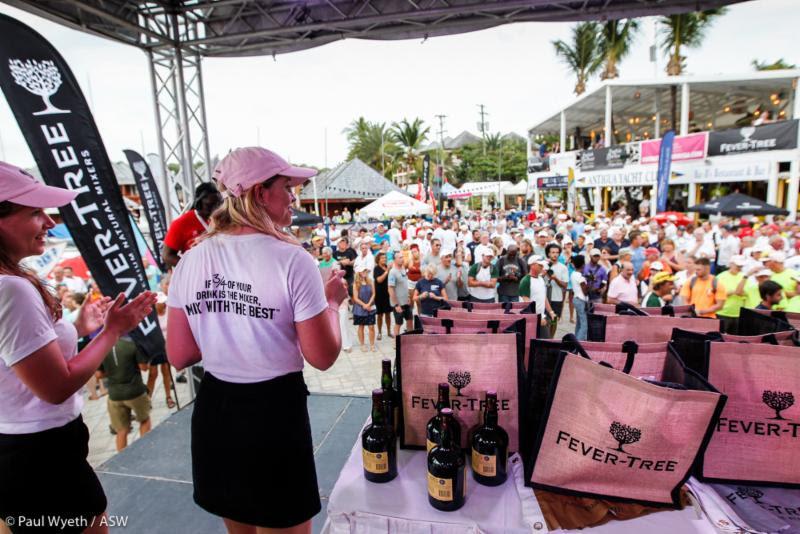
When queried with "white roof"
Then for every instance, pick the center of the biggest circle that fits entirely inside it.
(484, 188)
(520, 188)
(709, 96)
(395, 204)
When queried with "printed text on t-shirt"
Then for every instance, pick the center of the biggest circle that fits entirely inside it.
(227, 296)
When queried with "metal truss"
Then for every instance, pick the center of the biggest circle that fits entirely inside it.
(177, 34)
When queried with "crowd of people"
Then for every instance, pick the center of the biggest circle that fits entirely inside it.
(291, 296)
(562, 262)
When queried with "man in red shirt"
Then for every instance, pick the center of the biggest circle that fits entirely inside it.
(185, 229)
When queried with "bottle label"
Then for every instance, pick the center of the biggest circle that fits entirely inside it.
(440, 489)
(484, 464)
(429, 445)
(375, 462)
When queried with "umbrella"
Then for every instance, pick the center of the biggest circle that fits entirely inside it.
(301, 218)
(675, 217)
(737, 204)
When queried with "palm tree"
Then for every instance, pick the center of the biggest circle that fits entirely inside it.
(372, 143)
(777, 65)
(409, 138)
(616, 38)
(677, 31)
(689, 30)
(581, 53)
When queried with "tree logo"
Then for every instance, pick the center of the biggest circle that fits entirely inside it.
(459, 380)
(778, 401)
(140, 168)
(41, 78)
(745, 492)
(747, 132)
(624, 434)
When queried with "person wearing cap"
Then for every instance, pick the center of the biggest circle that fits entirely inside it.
(250, 303)
(345, 256)
(541, 242)
(395, 236)
(449, 274)
(379, 237)
(483, 245)
(596, 277)
(651, 255)
(787, 278)
(758, 274)
(661, 292)
(399, 296)
(703, 291)
(482, 277)
(533, 288)
(43, 439)
(734, 281)
(184, 230)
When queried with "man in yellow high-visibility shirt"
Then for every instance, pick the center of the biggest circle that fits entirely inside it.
(787, 278)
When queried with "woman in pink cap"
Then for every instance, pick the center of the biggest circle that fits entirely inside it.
(43, 440)
(249, 301)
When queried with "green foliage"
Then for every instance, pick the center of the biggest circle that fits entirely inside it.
(581, 54)
(504, 160)
(780, 64)
(689, 30)
(409, 137)
(372, 143)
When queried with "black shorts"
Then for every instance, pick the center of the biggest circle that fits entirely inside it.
(252, 455)
(159, 359)
(558, 307)
(45, 474)
(405, 314)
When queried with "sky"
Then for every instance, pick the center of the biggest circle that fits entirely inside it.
(298, 104)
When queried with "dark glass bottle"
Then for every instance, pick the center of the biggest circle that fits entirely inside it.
(379, 444)
(490, 447)
(447, 470)
(433, 429)
(389, 395)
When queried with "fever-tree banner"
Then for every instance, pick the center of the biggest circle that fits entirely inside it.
(59, 128)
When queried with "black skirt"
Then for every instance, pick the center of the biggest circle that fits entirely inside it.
(252, 455)
(46, 475)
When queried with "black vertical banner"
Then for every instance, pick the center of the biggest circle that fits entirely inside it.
(426, 176)
(59, 128)
(151, 202)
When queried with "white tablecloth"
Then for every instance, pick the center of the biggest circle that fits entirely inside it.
(401, 506)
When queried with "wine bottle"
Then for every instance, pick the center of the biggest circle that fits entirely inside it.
(379, 444)
(447, 471)
(490, 447)
(389, 395)
(433, 428)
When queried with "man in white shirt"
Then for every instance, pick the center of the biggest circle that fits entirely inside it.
(728, 248)
(465, 234)
(73, 283)
(395, 236)
(449, 236)
(483, 248)
(701, 248)
(364, 258)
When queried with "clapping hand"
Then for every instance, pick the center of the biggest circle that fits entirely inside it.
(121, 319)
(91, 315)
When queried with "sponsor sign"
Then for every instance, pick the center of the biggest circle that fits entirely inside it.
(684, 148)
(613, 157)
(776, 136)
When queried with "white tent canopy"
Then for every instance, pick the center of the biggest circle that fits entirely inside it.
(395, 204)
(520, 188)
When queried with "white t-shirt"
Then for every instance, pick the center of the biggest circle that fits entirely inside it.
(75, 284)
(539, 294)
(242, 295)
(395, 239)
(368, 260)
(25, 327)
(449, 238)
(576, 278)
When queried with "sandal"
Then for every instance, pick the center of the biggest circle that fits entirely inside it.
(380, 337)
(363, 348)
(170, 403)
(374, 348)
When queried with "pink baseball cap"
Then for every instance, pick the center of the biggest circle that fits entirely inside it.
(21, 188)
(245, 167)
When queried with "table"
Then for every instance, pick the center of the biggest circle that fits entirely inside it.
(401, 506)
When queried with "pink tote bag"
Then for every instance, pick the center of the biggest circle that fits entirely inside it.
(606, 434)
(471, 364)
(757, 439)
(620, 328)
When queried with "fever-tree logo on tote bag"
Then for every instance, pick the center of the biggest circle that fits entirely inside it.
(778, 401)
(41, 78)
(624, 434)
(745, 492)
(459, 379)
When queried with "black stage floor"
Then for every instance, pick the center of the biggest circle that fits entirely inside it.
(150, 482)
